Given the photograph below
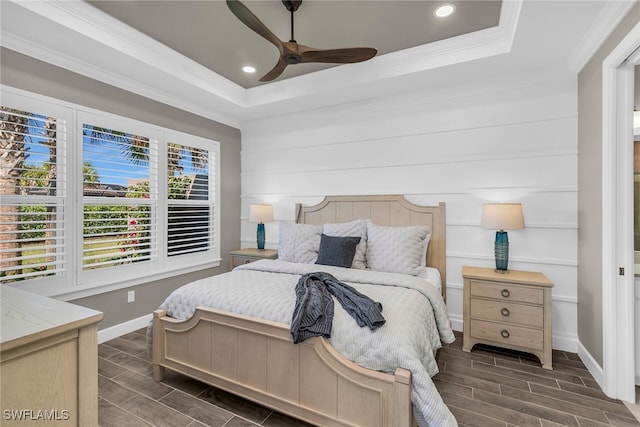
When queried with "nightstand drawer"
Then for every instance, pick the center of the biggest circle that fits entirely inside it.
(507, 335)
(506, 292)
(502, 311)
(245, 256)
(237, 260)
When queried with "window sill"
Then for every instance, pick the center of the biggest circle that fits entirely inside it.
(69, 294)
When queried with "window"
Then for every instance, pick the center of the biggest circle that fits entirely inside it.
(131, 202)
(119, 193)
(188, 198)
(32, 189)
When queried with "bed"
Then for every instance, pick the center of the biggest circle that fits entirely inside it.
(246, 348)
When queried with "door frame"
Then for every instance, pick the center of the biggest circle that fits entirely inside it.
(617, 218)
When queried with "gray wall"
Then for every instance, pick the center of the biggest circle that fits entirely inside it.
(26, 73)
(590, 191)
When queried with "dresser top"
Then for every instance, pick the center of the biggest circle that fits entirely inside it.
(26, 316)
(511, 276)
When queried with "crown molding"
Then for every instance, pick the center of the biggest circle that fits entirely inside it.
(84, 40)
(602, 27)
(136, 86)
(99, 27)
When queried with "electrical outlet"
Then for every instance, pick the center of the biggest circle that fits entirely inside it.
(131, 296)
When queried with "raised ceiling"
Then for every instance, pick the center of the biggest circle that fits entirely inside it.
(173, 61)
(209, 34)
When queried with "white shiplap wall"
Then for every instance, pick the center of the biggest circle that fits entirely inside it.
(512, 139)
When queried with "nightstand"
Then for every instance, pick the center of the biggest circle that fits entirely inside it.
(510, 310)
(245, 256)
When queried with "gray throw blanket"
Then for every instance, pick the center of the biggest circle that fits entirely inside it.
(313, 312)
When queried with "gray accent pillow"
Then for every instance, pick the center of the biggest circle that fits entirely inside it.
(358, 228)
(337, 251)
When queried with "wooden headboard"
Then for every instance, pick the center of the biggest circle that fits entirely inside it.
(392, 210)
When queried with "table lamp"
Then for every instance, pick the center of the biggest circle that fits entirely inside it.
(260, 214)
(502, 216)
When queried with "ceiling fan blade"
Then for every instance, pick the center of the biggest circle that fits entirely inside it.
(275, 71)
(250, 20)
(337, 56)
(291, 52)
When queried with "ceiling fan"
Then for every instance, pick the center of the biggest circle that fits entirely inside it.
(291, 52)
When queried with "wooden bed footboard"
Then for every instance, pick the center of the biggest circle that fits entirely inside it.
(256, 359)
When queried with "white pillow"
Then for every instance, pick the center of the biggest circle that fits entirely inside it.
(299, 242)
(357, 228)
(397, 249)
(431, 275)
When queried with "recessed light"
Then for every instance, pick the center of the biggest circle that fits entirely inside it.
(444, 10)
(249, 69)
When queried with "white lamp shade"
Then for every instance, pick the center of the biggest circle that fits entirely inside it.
(260, 213)
(502, 216)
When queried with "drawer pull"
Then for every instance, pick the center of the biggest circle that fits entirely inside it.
(505, 293)
(504, 311)
(504, 333)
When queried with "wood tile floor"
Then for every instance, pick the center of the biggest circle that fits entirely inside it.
(635, 408)
(488, 387)
(494, 387)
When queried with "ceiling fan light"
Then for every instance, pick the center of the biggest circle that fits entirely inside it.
(249, 69)
(444, 10)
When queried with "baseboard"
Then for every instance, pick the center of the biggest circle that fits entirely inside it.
(564, 341)
(123, 328)
(457, 322)
(592, 366)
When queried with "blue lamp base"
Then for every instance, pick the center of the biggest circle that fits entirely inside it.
(260, 236)
(502, 251)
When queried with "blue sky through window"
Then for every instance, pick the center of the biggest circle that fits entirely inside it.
(109, 154)
(107, 157)
(117, 157)
(37, 151)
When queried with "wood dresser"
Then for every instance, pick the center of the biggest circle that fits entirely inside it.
(48, 361)
(510, 310)
(245, 256)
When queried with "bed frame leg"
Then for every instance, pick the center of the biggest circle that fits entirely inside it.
(158, 345)
(158, 373)
(401, 406)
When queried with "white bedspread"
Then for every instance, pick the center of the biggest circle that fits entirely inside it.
(417, 320)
